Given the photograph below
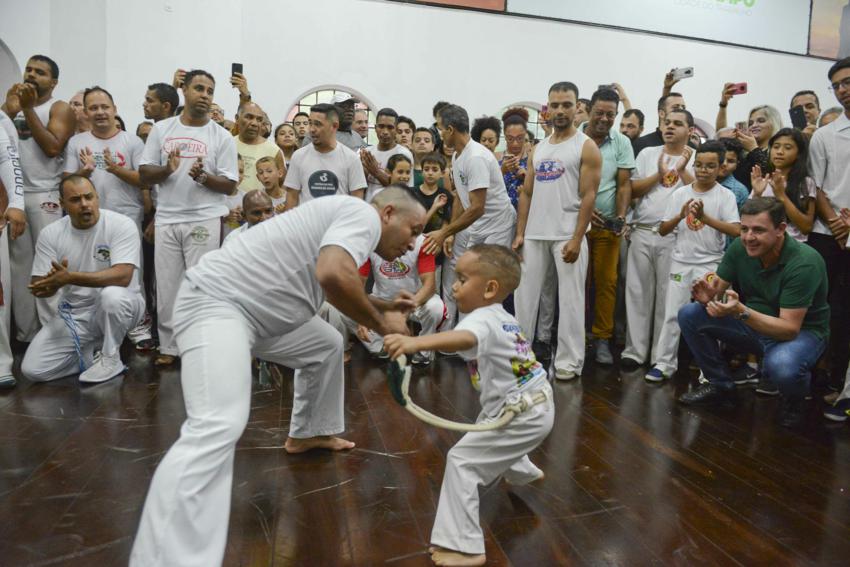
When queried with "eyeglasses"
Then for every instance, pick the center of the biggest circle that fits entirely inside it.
(706, 167)
(845, 83)
(515, 138)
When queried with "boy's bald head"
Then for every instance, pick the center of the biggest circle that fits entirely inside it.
(498, 263)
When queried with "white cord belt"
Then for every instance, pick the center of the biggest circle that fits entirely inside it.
(398, 380)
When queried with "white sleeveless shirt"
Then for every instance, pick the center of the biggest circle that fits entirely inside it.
(41, 173)
(555, 200)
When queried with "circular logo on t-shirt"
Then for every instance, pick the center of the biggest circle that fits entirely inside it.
(323, 183)
(694, 223)
(549, 170)
(395, 269)
(102, 252)
(670, 178)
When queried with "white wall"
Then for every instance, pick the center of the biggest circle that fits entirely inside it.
(401, 55)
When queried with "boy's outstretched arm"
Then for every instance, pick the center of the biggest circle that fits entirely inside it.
(450, 341)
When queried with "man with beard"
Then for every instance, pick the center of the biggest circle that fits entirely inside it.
(375, 158)
(44, 127)
(555, 209)
(194, 162)
(344, 103)
(161, 100)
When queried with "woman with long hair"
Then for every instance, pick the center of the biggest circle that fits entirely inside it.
(787, 179)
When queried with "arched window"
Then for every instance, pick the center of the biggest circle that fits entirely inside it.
(534, 125)
(324, 94)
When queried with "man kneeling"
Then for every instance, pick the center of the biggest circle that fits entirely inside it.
(92, 256)
(786, 318)
(414, 273)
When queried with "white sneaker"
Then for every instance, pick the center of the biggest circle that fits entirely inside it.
(564, 374)
(104, 368)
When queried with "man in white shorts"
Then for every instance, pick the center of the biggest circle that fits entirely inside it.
(91, 255)
(555, 209)
(239, 302)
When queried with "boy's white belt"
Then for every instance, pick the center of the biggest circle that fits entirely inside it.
(648, 227)
(398, 379)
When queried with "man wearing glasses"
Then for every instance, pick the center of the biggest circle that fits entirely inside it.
(829, 166)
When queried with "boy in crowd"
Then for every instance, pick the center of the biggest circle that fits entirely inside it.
(414, 272)
(504, 369)
(431, 193)
(659, 171)
(734, 154)
(270, 175)
(423, 145)
(702, 214)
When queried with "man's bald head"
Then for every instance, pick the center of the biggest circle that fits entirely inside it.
(250, 119)
(257, 206)
(400, 197)
(402, 221)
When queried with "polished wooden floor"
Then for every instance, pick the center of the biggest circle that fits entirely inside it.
(631, 477)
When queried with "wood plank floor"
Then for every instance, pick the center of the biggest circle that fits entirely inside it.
(632, 478)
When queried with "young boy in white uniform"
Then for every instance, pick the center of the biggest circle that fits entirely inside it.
(503, 368)
(415, 273)
(702, 214)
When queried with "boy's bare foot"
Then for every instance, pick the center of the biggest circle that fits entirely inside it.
(442, 556)
(293, 445)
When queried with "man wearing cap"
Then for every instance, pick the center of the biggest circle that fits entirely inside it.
(345, 106)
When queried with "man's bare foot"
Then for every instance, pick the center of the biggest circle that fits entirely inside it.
(442, 556)
(164, 360)
(293, 445)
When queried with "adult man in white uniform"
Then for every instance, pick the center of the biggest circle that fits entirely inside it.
(193, 160)
(239, 302)
(44, 127)
(92, 257)
(555, 208)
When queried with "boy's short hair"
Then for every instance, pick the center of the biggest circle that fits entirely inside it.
(437, 159)
(267, 159)
(394, 159)
(713, 147)
(499, 263)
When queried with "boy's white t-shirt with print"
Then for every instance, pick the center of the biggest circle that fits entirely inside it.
(180, 198)
(269, 271)
(696, 242)
(402, 274)
(651, 207)
(115, 194)
(113, 240)
(314, 174)
(502, 363)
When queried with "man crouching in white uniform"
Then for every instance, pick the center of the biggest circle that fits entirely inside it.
(239, 302)
(93, 257)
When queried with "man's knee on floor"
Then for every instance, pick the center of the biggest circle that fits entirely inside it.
(35, 370)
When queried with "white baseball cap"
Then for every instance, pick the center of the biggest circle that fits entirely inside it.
(340, 97)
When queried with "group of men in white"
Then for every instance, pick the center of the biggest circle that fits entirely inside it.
(288, 287)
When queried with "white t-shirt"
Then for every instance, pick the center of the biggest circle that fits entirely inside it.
(651, 207)
(502, 363)
(11, 173)
(269, 271)
(115, 194)
(382, 157)
(809, 192)
(113, 240)
(233, 234)
(555, 200)
(180, 199)
(402, 274)
(315, 174)
(829, 165)
(474, 169)
(41, 173)
(696, 242)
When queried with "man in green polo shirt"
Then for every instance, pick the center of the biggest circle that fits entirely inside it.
(785, 319)
(609, 214)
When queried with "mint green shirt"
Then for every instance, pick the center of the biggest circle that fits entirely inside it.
(617, 153)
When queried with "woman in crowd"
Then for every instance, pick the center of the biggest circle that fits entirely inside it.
(286, 139)
(515, 159)
(487, 131)
(763, 123)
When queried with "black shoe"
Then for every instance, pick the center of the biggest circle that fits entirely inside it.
(709, 394)
(629, 364)
(792, 412)
(766, 387)
(542, 350)
(746, 374)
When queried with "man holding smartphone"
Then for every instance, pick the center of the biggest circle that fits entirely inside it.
(609, 214)
(807, 104)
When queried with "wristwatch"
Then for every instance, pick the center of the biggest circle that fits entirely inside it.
(201, 178)
(743, 315)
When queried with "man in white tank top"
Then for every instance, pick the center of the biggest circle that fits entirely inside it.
(44, 126)
(555, 208)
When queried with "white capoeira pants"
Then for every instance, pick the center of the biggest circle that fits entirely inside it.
(429, 315)
(647, 274)
(178, 247)
(42, 208)
(6, 356)
(478, 459)
(546, 311)
(537, 257)
(448, 278)
(185, 517)
(681, 278)
(52, 354)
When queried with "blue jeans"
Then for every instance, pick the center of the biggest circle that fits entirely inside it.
(787, 364)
